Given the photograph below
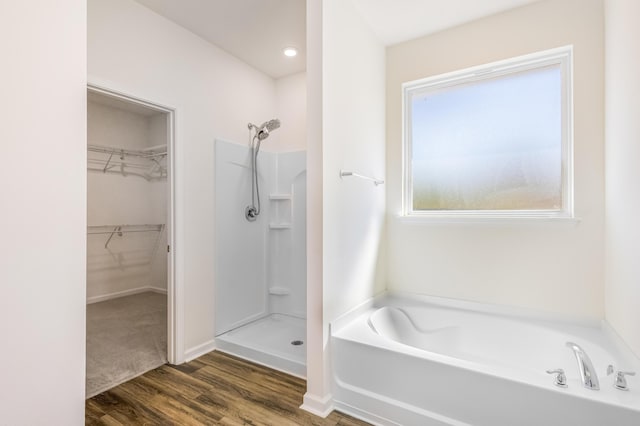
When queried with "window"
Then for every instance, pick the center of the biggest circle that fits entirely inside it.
(493, 140)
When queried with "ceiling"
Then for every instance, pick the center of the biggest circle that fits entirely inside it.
(395, 21)
(256, 31)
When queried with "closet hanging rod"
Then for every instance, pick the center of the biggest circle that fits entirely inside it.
(117, 162)
(124, 229)
(147, 153)
(148, 177)
(376, 182)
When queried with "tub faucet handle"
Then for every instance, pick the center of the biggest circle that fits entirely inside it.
(620, 381)
(560, 379)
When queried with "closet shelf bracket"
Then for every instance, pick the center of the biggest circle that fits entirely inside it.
(117, 229)
(106, 166)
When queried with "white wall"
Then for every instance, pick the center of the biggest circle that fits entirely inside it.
(115, 127)
(159, 262)
(159, 192)
(549, 266)
(291, 109)
(136, 51)
(316, 399)
(623, 174)
(43, 193)
(132, 261)
(353, 139)
(352, 220)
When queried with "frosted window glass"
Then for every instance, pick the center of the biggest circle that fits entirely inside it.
(493, 144)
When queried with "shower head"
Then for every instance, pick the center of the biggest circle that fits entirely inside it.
(252, 211)
(262, 132)
(271, 124)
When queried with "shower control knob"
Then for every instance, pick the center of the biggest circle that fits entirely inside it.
(560, 379)
(251, 214)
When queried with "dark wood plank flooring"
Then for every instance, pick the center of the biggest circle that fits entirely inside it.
(215, 389)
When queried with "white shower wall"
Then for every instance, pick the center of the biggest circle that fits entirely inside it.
(261, 265)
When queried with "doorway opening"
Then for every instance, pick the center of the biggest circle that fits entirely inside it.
(131, 315)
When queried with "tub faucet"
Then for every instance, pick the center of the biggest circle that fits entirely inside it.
(587, 372)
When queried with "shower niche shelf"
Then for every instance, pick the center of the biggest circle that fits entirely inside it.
(279, 291)
(281, 211)
(279, 226)
(280, 197)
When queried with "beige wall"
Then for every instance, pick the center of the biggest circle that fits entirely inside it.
(623, 174)
(550, 266)
(43, 192)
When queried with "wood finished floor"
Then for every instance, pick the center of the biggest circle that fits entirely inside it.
(215, 389)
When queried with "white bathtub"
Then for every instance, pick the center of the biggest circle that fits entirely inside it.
(437, 362)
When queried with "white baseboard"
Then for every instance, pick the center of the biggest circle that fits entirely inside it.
(117, 294)
(321, 407)
(198, 351)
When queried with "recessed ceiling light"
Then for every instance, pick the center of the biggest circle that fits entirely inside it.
(290, 52)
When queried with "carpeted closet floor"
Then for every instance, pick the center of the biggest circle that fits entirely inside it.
(125, 338)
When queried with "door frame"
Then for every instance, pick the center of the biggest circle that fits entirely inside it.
(175, 299)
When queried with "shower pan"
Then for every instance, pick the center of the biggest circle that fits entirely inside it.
(260, 223)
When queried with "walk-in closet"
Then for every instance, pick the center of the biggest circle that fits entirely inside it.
(127, 166)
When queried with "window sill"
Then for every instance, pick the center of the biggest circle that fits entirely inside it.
(438, 219)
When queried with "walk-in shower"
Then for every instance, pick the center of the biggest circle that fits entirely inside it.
(259, 134)
(260, 285)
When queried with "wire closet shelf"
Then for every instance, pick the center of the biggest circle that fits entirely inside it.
(148, 163)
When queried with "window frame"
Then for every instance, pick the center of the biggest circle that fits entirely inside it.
(562, 56)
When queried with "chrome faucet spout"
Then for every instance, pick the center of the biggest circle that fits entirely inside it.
(587, 372)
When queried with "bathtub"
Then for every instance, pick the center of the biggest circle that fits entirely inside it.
(426, 361)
